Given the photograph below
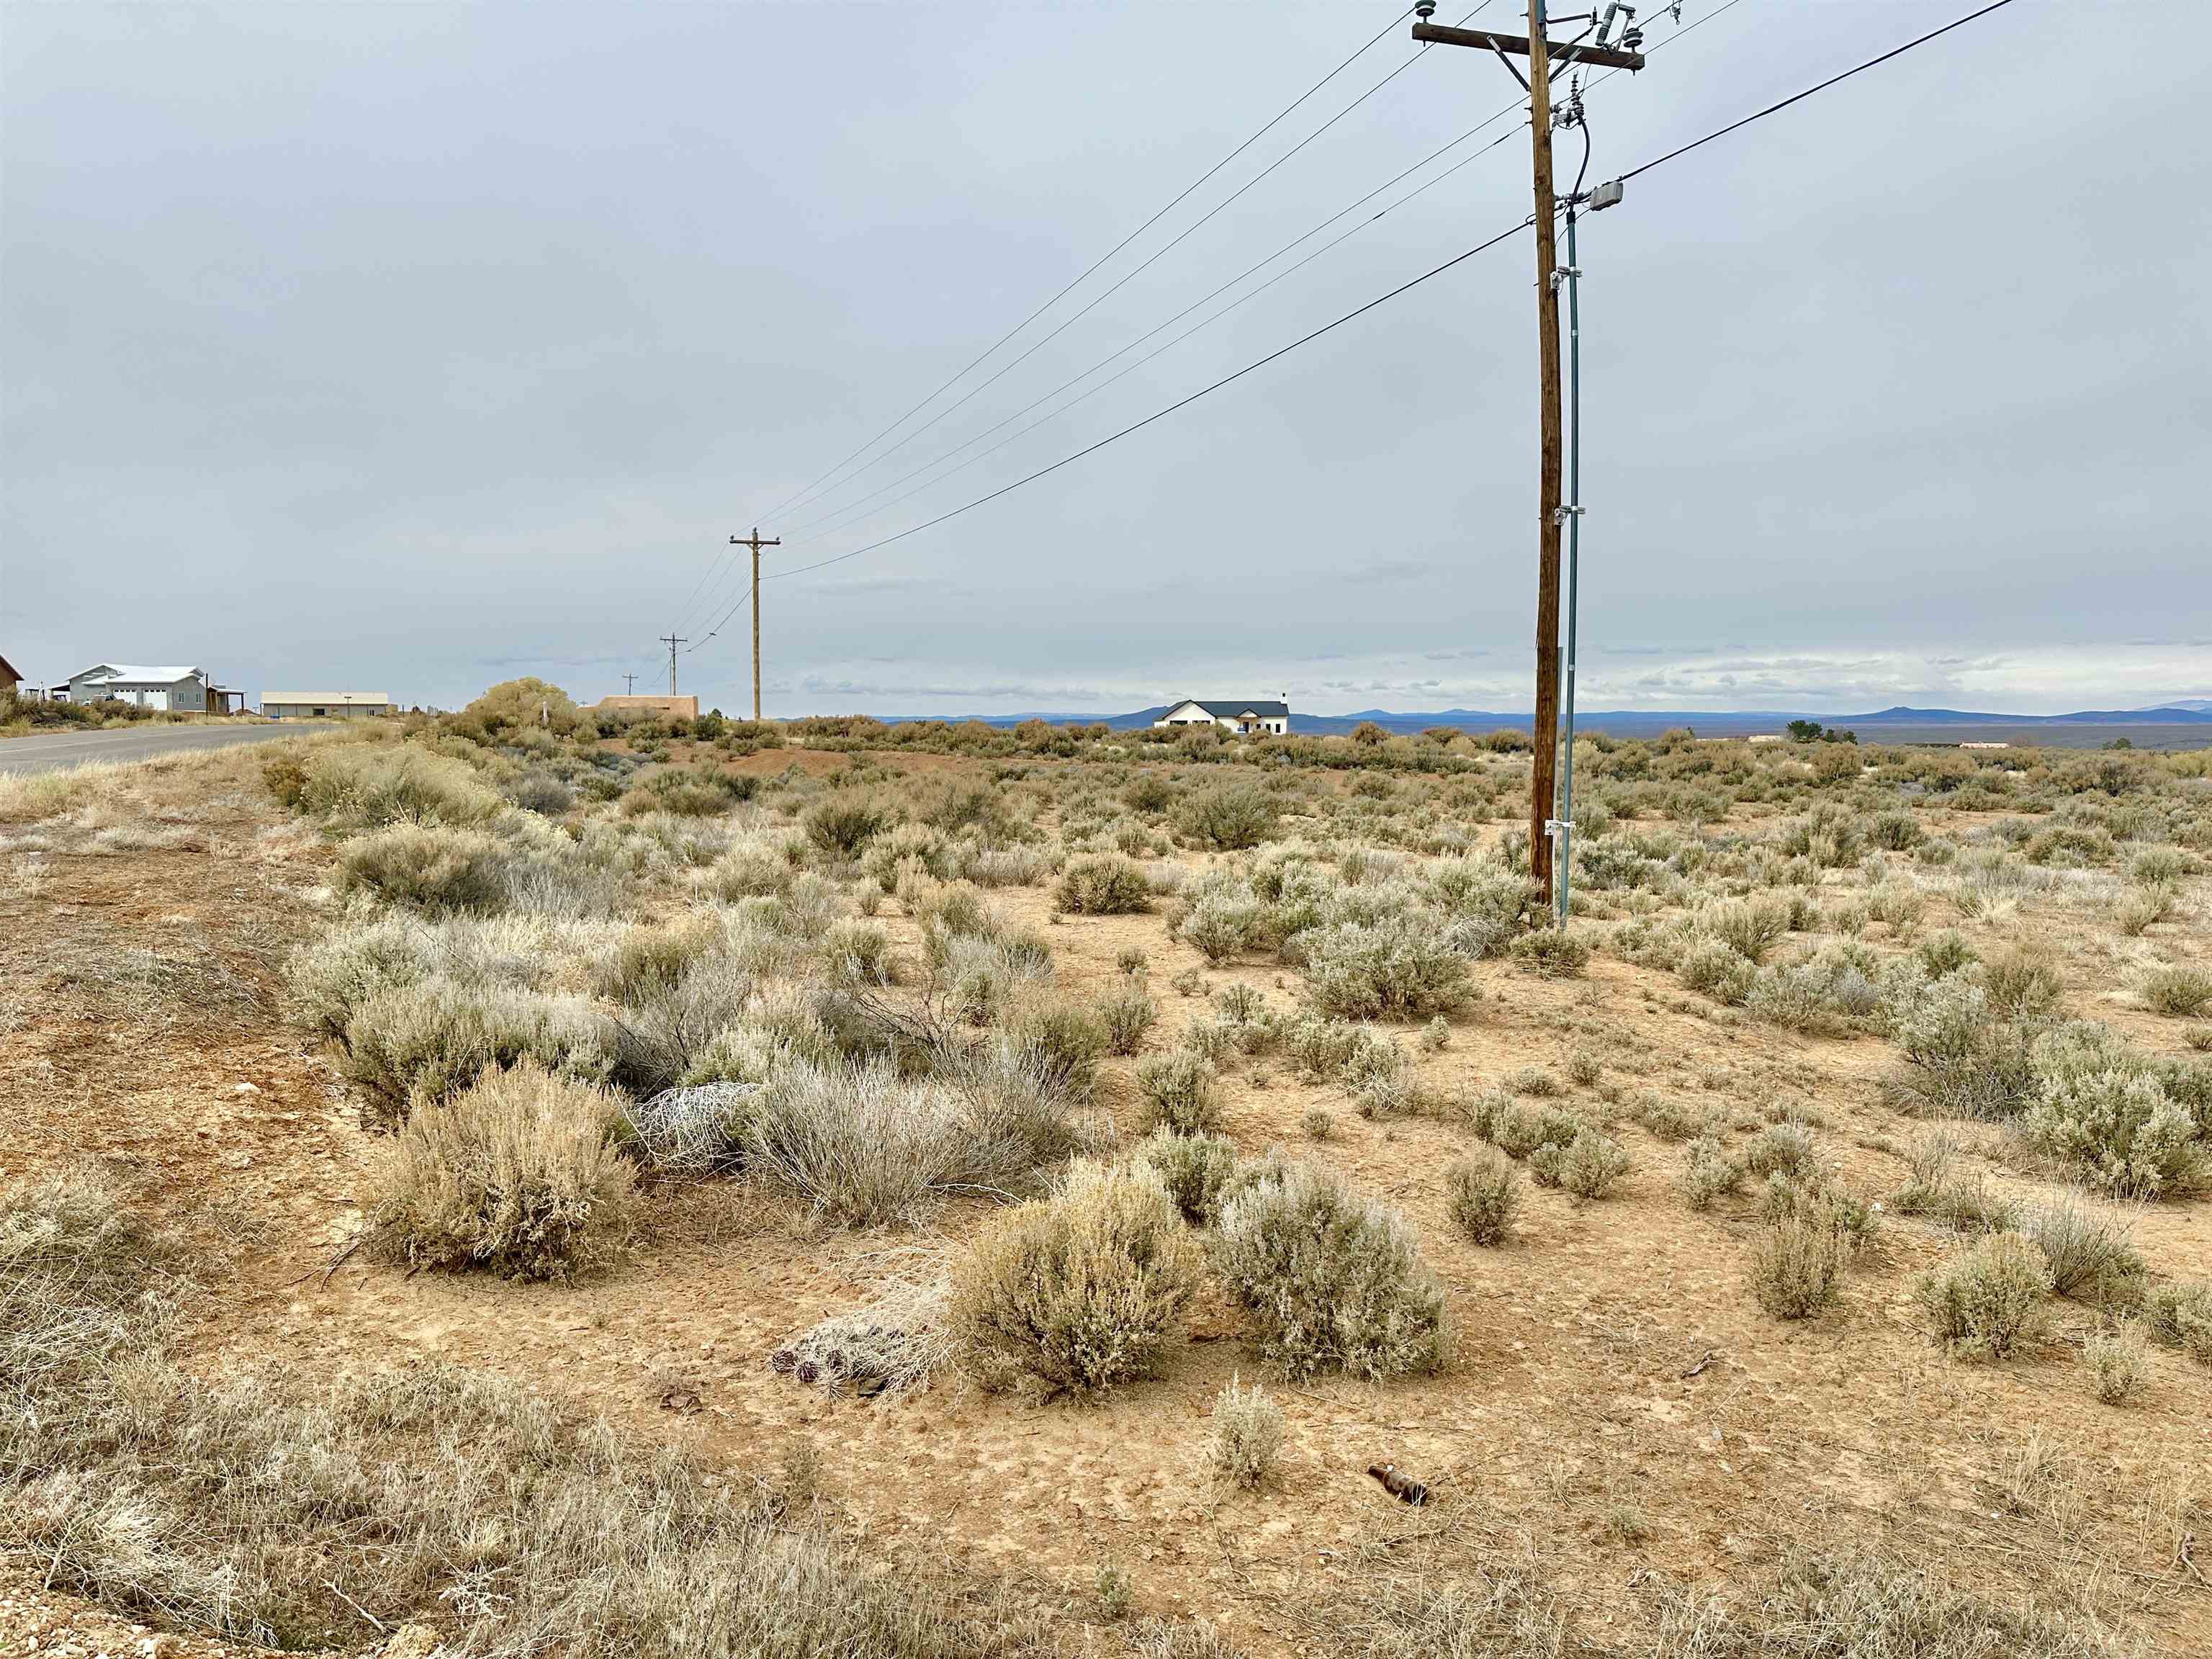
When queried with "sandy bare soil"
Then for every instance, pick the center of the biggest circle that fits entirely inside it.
(1620, 1411)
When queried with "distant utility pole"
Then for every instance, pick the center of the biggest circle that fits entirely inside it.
(755, 543)
(1550, 510)
(629, 685)
(671, 641)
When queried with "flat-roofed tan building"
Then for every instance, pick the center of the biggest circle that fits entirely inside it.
(324, 705)
(688, 707)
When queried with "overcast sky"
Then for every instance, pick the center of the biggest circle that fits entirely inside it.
(409, 347)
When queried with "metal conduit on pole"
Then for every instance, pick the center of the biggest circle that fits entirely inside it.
(1574, 560)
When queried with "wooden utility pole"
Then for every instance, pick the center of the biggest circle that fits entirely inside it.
(755, 543)
(671, 641)
(1543, 784)
(629, 685)
(1539, 51)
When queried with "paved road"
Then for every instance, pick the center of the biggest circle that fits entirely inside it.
(51, 751)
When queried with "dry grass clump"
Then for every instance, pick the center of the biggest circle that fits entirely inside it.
(1079, 1290)
(1483, 1194)
(436, 871)
(79, 1274)
(358, 785)
(1931, 1189)
(1109, 885)
(1333, 1281)
(271, 1514)
(1988, 1299)
(516, 1174)
(1247, 1435)
(1180, 1093)
(897, 1340)
(1060, 1041)
(867, 1146)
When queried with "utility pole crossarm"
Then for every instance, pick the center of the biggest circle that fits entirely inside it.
(1443, 34)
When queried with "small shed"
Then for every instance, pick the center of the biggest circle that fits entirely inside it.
(9, 679)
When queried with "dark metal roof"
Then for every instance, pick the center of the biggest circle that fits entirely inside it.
(1229, 711)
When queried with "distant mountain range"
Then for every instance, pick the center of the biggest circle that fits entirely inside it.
(2193, 715)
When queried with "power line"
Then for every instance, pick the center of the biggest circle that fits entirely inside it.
(1203, 323)
(1184, 403)
(1129, 276)
(715, 566)
(824, 518)
(1180, 196)
(1349, 316)
(1894, 51)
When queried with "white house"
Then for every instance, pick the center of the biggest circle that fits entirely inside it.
(1242, 718)
(180, 690)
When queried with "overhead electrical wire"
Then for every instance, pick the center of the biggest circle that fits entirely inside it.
(1894, 51)
(1080, 277)
(717, 567)
(1380, 300)
(1135, 271)
(797, 534)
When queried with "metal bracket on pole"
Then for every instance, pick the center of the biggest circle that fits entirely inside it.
(1561, 513)
(1509, 70)
(1560, 273)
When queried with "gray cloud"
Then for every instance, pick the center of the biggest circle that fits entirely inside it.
(410, 346)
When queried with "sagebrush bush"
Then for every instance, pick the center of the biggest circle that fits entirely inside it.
(1247, 1435)
(1180, 1092)
(1709, 1172)
(1796, 1262)
(1061, 1040)
(2181, 993)
(434, 870)
(2179, 1316)
(2103, 1104)
(1082, 1290)
(2118, 1365)
(1551, 952)
(1522, 1131)
(1333, 1280)
(1988, 1299)
(1787, 1147)
(1714, 968)
(411, 1043)
(1482, 1192)
(1196, 1170)
(2088, 1251)
(840, 826)
(516, 1174)
(1109, 885)
(1588, 1166)
(1128, 1015)
(1231, 818)
(1394, 968)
